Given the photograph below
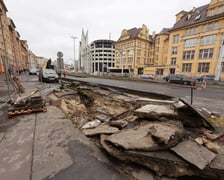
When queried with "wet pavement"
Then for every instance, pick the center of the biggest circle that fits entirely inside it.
(48, 146)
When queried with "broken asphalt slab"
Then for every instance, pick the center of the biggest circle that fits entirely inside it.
(194, 153)
(46, 145)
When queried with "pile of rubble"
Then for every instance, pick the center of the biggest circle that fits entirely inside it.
(169, 137)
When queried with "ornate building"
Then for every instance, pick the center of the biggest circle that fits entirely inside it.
(196, 41)
(194, 45)
(134, 49)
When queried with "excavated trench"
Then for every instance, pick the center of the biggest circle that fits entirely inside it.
(164, 136)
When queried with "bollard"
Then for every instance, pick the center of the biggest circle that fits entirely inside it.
(192, 88)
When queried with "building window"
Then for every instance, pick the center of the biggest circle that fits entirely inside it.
(191, 31)
(175, 39)
(138, 52)
(157, 41)
(130, 60)
(124, 61)
(173, 61)
(174, 50)
(188, 55)
(138, 60)
(203, 67)
(186, 67)
(208, 40)
(190, 43)
(221, 9)
(206, 53)
(131, 52)
(139, 44)
(212, 12)
(210, 27)
(222, 67)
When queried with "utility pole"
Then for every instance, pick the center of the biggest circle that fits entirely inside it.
(219, 64)
(74, 38)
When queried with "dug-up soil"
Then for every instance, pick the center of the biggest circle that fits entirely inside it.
(168, 137)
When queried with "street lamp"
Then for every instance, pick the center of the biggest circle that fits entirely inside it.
(74, 38)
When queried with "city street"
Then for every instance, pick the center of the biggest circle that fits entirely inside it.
(47, 145)
(211, 98)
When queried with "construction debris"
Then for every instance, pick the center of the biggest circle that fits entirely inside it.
(18, 85)
(167, 136)
(28, 104)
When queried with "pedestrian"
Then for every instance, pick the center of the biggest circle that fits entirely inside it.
(204, 83)
(65, 72)
(11, 71)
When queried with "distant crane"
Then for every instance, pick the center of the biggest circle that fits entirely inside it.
(221, 55)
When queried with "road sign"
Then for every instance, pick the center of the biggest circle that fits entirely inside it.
(59, 54)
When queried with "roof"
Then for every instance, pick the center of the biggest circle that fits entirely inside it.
(11, 22)
(3, 4)
(134, 32)
(164, 31)
(194, 16)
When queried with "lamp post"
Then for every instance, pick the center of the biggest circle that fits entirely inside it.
(74, 38)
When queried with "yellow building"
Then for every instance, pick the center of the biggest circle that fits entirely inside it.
(4, 36)
(193, 46)
(25, 64)
(159, 54)
(133, 50)
(196, 39)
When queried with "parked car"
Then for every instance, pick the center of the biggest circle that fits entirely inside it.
(181, 79)
(48, 75)
(207, 77)
(167, 78)
(147, 76)
(33, 71)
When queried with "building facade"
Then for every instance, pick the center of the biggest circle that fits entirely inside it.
(83, 61)
(196, 41)
(193, 46)
(4, 37)
(13, 51)
(101, 55)
(134, 50)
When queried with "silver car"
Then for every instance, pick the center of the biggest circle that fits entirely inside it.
(48, 75)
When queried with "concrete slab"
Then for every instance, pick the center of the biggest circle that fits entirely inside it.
(133, 139)
(16, 150)
(150, 137)
(52, 136)
(155, 111)
(102, 129)
(194, 153)
(218, 162)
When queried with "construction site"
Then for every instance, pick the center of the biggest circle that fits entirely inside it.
(139, 136)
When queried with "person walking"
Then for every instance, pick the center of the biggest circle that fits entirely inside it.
(64, 72)
(204, 83)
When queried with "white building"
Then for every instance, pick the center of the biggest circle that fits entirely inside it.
(102, 53)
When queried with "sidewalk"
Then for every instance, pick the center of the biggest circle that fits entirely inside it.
(6, 90)
(48, 146)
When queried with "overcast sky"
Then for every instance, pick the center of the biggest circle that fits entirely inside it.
(48, 25)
